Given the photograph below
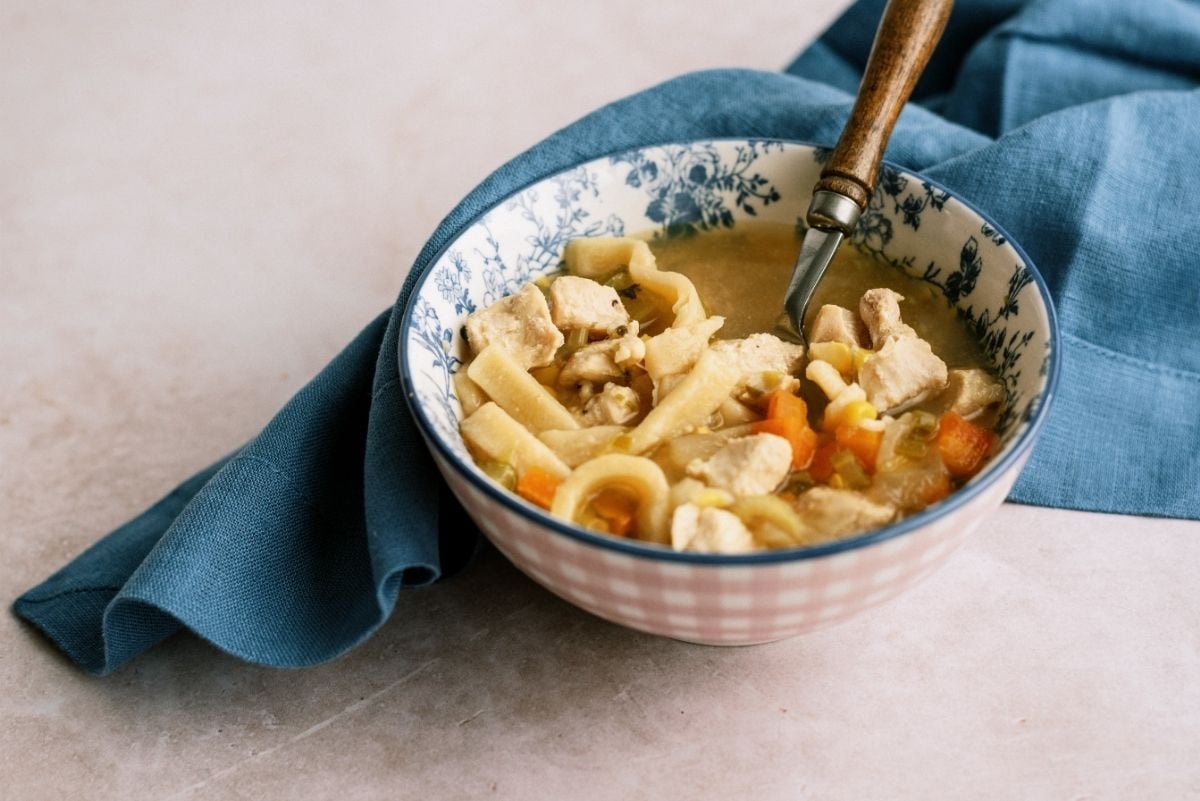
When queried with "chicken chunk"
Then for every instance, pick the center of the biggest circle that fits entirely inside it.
(753, 465)
(594, 362)
(829, 513)
(709, 530)
(970, 392)
(904, 369)
(838, 324)
(606, 360)
(519, 323)
(582, 303)
(880, 310)
(762, 353)
(615, 405)
(902, 372)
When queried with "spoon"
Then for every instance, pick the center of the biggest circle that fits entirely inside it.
(908, 32)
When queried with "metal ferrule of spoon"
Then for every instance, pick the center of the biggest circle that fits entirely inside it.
(831, 217)
(907, 34)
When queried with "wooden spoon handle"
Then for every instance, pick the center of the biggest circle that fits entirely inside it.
(907, 34)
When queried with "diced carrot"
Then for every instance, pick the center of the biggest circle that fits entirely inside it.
(783, 404)
(616, 508)
(798, 434)
(821, 467)
(787, 417)
(538, 486)
(862, 442)
(963, 445)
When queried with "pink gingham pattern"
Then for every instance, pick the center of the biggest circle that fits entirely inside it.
(719, 604)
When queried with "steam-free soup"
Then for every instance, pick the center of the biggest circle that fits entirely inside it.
(641, 393)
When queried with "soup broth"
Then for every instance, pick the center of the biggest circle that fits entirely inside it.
(742, 273)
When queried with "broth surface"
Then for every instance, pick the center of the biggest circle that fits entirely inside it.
(742, 274)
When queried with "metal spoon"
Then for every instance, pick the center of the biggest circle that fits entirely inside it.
(907, 34)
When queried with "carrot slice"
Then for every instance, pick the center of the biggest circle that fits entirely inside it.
(787, 417)
(783, 404)
(862, 442)
(963, 445)
(616, 508)
(821, 467)
(538, 486)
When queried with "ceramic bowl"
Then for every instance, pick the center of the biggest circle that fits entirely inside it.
(916, 225)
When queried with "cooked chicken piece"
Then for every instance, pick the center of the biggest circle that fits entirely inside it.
(689, 490)
(603, 361)
(630, 348)
(902, 372)
(880, 310)
(904, 369)
(753, 465)
(709, 530)
(972, 391)
(582, 303)
(762, 353)
(676, 350)
(829, 513)
(615, 405)
(594, 362)
(519, 323)
(838, 324)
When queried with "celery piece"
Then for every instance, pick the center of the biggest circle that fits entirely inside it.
(502, 473)
(846, 465)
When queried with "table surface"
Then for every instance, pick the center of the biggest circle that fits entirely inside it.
(200, 203)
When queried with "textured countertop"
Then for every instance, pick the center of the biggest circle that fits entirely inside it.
(200, 203)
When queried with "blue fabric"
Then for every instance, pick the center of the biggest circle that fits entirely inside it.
(1073, 122)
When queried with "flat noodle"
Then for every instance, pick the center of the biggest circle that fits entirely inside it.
(492, 432)
(675, 287)
(469, 395)
(598, 257)
(576, 446)
(636, 474)
(507, 383)
(690, 403)
(677, 349)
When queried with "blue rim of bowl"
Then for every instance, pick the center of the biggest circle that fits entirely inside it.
(650, 550)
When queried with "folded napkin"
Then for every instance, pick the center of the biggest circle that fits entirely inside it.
(1072, 122)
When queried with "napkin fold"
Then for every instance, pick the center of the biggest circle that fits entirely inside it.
(1072, 122)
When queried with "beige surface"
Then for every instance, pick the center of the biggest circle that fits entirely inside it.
(201, 202)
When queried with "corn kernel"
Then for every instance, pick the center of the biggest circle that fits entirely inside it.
(857, 412)
(836, 353)
(837, 482)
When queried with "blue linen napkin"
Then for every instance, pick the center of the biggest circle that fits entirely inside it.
(1072, 122)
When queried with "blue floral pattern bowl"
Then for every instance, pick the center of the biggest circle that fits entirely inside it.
(674, 189)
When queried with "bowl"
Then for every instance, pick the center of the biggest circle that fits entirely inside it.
(672, 189)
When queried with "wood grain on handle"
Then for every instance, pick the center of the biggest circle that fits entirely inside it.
(906, 37)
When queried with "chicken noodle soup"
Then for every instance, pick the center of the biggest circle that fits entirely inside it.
(612, 397)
